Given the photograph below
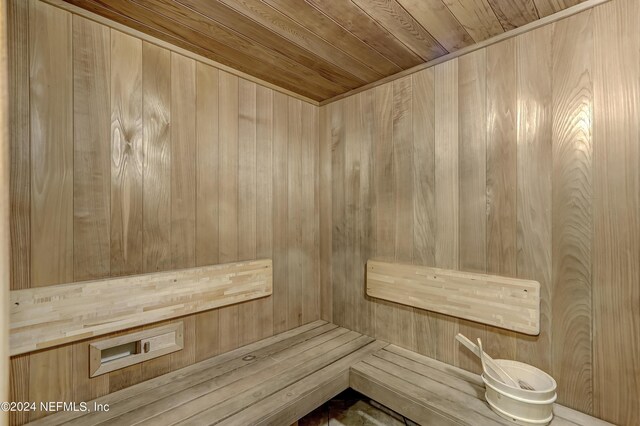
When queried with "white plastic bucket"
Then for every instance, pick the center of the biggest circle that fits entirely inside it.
(518, 405)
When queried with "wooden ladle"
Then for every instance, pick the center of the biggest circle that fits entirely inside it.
(489, 363)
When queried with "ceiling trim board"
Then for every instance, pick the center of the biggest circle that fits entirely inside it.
(563, 14)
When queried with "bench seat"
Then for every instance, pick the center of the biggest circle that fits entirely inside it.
(431, 392)
(273, 381)
(280, 379)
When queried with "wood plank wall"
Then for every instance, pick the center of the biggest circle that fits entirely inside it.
(126, 158)
(5, 229)
(520, 159)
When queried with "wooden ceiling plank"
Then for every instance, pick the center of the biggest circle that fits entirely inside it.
(514, 14)
(294, 32)
(224, 15)
(323, 26)
(477, 17)
(396, 20)
(549, 7)
(296, 59)
(358, 23)
(439, 21)
(284, 67)
(280, 66)
(238, 60)
(563, 14)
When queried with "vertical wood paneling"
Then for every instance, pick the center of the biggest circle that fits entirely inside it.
(159, 184)
(20, 178)
(19, 386)
(366, 217)
(534, 176)
(358, 134)
(51, 89)
(126, 154)
(247, 198)
(246, 170)
(546, 217)
(207, 161)
(183, 157)
(571, 349)
(51, 121)
(308, 207)
(472, 151)
(156, 174)
(336, 123)
(280, 212)
(91, 167)
(385, 202)
(424, 216)
(228, 198)
(5, 215)
(423, 118)
(156, 197)
(263, 321)
(402, 129)
(207, 208)
(535, 160)
(351, 143)
(183, 184)
(92, 175)
(501, 177)
(446, 192)
(19, 136)
(616, 190)
(294, 215)
(326, 221)
(403, 166)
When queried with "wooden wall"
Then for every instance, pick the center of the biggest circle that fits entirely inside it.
(5, 229)
(520, 159)
(129, 158)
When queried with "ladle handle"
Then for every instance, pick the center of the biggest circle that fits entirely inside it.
(498, 371)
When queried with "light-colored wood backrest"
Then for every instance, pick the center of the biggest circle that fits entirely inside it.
(503, 302)
(49, 316)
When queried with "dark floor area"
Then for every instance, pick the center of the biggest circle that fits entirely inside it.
(351, 408)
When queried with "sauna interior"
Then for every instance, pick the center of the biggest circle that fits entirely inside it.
(231, 211)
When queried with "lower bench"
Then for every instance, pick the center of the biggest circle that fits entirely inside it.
(280, 379)
(430, 392)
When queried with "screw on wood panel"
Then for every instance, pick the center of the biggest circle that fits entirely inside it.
(249, 358)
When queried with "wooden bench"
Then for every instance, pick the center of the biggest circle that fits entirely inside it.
(274, 381)
(278, 380)
(430, 392)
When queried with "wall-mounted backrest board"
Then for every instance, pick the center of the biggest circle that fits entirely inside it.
(49, 316)
(509, 303)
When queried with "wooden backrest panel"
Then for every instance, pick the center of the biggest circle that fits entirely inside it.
(49, 316)
(509, 303)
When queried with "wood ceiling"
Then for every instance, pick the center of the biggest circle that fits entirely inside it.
(323, 48)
